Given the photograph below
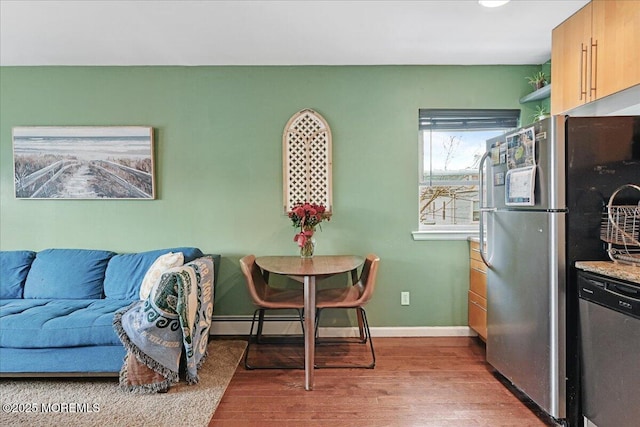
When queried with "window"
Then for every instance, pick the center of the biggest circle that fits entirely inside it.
(452, 143)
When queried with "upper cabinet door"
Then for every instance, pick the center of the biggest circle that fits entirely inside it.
(571, 43)
(616, 51)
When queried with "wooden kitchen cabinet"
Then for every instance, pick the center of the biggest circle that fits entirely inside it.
(595, 53)
(616, 32)
(570, 43)
(477, 291)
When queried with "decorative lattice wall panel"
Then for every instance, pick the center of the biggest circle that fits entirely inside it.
(306, 151)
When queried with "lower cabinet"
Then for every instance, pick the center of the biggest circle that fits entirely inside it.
(477, 291)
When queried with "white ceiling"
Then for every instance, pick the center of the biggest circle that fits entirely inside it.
(304, 32)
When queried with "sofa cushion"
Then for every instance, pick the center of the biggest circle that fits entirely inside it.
(40, 323)
(67, 273)
(14, 266)
(125, 272)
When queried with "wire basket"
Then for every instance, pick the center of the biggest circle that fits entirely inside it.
(620, 229)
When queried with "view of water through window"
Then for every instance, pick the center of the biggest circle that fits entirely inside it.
(449, 185)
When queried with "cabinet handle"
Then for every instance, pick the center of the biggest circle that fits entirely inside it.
(594, 69)
(583, 71)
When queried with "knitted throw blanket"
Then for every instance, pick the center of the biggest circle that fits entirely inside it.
(171, 324)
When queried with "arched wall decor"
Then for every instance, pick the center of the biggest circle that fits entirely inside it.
(306, 152)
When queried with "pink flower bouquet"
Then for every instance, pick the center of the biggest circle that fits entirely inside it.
(306, 216)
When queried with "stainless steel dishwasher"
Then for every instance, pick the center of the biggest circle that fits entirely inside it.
(610, 350)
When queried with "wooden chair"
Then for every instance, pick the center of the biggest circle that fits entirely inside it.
(266, 297)
(352, 297)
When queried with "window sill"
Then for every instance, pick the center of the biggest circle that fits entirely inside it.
(444, 234)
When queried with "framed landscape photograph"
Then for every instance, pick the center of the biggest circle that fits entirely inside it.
(83, 162)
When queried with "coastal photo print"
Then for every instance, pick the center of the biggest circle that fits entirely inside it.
(83, 162)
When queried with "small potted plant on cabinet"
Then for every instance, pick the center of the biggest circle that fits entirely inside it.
(538, 80)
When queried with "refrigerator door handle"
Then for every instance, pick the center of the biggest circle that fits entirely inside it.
(483, 209)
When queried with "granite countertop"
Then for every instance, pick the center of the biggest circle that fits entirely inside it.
(611, 269)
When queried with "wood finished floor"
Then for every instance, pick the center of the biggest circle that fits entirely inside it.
(416, 382)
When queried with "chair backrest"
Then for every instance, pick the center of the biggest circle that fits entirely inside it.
(255, 282)
(367, 281)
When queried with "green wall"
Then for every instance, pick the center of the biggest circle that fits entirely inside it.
(218, 133)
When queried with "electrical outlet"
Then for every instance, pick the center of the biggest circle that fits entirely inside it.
(404, 298)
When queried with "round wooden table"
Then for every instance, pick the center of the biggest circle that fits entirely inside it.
(309, 269)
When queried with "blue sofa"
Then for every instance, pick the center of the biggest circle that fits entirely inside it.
(57, 307)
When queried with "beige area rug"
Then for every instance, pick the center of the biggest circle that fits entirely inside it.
(99, 402)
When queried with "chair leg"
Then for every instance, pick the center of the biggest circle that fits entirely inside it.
(365, 335)
(318, 310)
(246, 352)
(368, 332)
(301, 318)
(260, 325)
(259, 313)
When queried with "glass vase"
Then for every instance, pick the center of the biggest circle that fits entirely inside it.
(306, 250)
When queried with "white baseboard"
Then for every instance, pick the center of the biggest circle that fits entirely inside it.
(289, 325)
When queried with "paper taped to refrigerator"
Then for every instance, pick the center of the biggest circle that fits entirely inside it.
(520, 186)
(521, 149)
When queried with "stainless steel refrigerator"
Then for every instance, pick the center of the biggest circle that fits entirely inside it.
(543, 189)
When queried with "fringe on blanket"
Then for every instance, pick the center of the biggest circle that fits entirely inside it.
(191, 379)
(170, 376)
(157, 387)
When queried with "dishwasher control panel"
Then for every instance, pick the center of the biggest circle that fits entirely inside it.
(614, 294)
